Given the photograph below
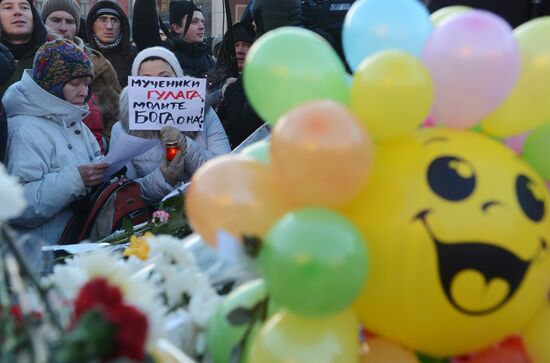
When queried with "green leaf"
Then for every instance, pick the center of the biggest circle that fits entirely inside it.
(252, 245)
(240, 316)
(90, 340)
(128, 226)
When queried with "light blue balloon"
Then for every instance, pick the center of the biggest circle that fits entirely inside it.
(375, 25)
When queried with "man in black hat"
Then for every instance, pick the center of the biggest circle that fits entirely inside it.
(109, 33)
(186, 34)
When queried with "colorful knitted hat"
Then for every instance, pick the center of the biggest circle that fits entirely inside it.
(69, 6)
(58, 62)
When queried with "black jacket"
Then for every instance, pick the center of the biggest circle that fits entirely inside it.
(121, 56)
(3, 134)
(242, 120)
(516, 12)
(194, 58)
(7, 67)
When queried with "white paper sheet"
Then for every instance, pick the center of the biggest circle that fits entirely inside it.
(125, 149)
(75, 248)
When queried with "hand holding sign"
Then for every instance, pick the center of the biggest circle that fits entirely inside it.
(155, 102)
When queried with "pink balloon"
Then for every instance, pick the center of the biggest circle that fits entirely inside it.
(516, 142)
(474, 61)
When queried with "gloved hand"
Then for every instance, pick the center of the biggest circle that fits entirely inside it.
(171, 134)
(173, 171)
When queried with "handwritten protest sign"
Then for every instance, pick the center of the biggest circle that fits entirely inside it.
(155, 102)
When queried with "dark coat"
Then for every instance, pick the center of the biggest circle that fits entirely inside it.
(7, 64)
(516, 12)
(194, 58)
(122, 56)
(7, 67)
(3, 134)
(242, 120)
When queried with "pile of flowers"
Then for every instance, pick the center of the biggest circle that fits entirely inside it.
(145, 302)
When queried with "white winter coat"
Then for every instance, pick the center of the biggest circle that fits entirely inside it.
(46, 143)
(210, 142)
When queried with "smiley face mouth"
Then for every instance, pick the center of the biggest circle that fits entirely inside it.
(459, 261)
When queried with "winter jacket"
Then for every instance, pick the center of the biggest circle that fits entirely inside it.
(193, 57)
(241, 119)
(25, 60)
(46, 143)
(7, 67)
(516, 12)
(210, 142)
(272, 14)
(122, 56)
(105, 87)
(3, 134)
(94, 121)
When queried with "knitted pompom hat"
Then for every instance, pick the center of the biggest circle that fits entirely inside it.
(58, 62)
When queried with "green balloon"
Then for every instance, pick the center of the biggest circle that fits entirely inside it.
(258, 151)
(229, 324)
(537, 148)
(314, 262)
(289, 66)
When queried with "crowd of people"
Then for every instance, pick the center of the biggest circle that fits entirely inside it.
(65, 101)
(63, 83)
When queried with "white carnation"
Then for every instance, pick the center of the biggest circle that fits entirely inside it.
(203, 305)
(171, 250)
(12, 198)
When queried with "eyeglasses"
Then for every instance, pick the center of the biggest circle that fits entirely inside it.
(104, 20)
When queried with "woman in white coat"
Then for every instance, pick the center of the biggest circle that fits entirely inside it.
(155, 175)
(55, 155)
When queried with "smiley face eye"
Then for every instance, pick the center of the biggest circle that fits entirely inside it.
(451, 178)
(529, 199)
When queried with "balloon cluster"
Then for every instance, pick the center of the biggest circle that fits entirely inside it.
(435, 237)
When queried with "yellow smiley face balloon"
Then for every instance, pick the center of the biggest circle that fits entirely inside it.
(458, 230)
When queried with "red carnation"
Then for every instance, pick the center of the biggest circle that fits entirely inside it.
(131, 331)
(130, 324)
(97, 293)
(17, 314)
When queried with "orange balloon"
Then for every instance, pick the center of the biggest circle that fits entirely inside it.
(511, 350)
(236, 194)
(321, 154)
(385, 351)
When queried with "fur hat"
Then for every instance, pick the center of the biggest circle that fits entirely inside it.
(157, 52)
(69, 6)
(58, 62)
